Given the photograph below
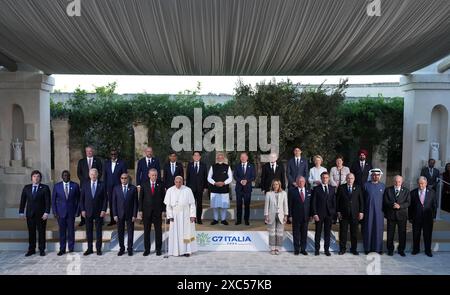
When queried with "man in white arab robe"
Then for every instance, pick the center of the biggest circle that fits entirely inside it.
(180, 210)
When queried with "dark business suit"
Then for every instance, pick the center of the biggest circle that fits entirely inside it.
(111, 179)
(300, 211)
(243, 192)
(125, 206)
(34, 206)
(169, 178)
(361, 176)
(93, 205)
(422, 218)
(323, 205)
(197, 182)
(267, 175)
(349, 204)
(295, 170)
(83, 172)
(151, 206)
(396, 217)
(143, 168)
(431, 176)
(66, 209)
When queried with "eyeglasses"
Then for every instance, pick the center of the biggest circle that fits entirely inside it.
(124, 178)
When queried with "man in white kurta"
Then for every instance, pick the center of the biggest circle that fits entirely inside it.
(180, 210)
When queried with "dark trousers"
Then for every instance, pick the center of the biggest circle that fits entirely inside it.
(427, 227)
(35, 223)
(343, 234)
(401, 227)
(66, 232)
(326, 223)
(245, 198)
(154, 219)
(299, 234)
(98, 232)
(198, 196)
(121, 233)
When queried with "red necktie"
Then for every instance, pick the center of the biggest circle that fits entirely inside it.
(153, 188)
(302, 196)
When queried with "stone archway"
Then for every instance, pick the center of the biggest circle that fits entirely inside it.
(439, 133)
(18, 128)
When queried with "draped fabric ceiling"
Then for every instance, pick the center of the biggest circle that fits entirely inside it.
(224, 37)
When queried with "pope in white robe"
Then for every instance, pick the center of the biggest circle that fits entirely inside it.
(180, 210)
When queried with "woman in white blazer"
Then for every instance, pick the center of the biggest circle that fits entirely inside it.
(276, 213)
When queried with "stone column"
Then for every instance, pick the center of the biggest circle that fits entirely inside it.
(28, 90)
(61, 128)
(140, 141)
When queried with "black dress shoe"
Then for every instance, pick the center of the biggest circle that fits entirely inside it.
(187, 255)
(71, 251)
(41, 253)
(82, 223)
(391, 253)
(355, 252)
(304, 252)
(61, 253)
(415, 252)
(327, 253)
(366, 252)
(402, 254)
(429, 254)
(88, 252)
(214, 222)
(296, 252)
(199, 222)
(130, 253)
(380, 252)
(30, 252)
(316, 253)
(237, 223)
(146, 253)
(247, 223)
(342, 252)
(224, 222)
(121, 252)
(158, 252)
(99, 252)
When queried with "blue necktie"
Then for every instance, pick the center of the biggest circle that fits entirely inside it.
(33, 194)
(93, 190)
(125, 192)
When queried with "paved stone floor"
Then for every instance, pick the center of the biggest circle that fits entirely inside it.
(230, 263)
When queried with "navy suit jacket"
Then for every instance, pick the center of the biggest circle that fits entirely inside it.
(142, 170)
(66, 208)
(293, 171)
(168, 177)
(324, 205)
(93, 205)
(239, 175)
(112, 179)
(298, 210)
(125, 207)
(37, 205)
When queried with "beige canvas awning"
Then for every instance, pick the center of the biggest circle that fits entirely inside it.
(224, 37)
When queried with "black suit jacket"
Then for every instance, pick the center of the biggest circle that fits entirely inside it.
(197, 182)
(425, 213)
(168, 177)
(267, 175)
(431, 179)
(403, 200)
(349, 205)
(324, 205)
(361, 176)
(298, 210)
(83, 169)
(93, 205)
(152, 203)
(125, 208)
(37, 206)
